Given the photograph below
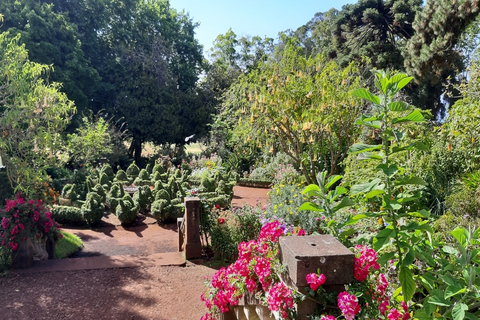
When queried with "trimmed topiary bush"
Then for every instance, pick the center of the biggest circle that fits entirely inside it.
(68, 216)
(126, 210)
(122, 178)
(69, 192)
(93, 209)
(143, 178)
(107, 169)
(132, 171)
(116, 193)
(143, 198)
(158, 209)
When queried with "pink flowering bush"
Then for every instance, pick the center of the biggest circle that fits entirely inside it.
(255, 273)
(22, 219)
(366, 297)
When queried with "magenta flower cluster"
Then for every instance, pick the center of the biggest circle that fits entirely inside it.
(365, 258)
(253, 272)
(21, 219)
(315, 281)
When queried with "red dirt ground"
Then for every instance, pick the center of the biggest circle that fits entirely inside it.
(147, 291)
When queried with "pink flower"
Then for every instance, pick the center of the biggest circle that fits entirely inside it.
(394, 315)
(327, 318)
(217, 206)
(315, 280)
(5, 222)
(348, 304)
(365, 258)
(280, 298)
(14, 245)
(271, 232)
(301, 232)
(221, 220)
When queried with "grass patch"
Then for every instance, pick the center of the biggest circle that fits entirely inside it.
(68, 245)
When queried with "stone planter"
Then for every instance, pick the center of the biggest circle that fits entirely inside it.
(50, 246)
(23, 256)
(39, 248)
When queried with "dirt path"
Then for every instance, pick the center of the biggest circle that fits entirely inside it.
(146, 292)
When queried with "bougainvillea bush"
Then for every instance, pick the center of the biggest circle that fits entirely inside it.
(21, 219)
(255, 273)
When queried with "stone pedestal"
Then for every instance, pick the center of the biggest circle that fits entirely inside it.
(191, 243)
(304, 255)
(51, 247)
(23, 256)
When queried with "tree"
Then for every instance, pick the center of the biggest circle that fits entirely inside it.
(33, 113)
(52, 40)
(303, 104)
(431, 56)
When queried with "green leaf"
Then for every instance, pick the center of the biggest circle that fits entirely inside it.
(437, 298)
(410, 180)
(408, 284)
(398, 106)
(374, 193)
(401, 83)
(461, 234)
(470, 316)
(364, 187)
(354, 219)
(346, 202)
(449, 250)
(390, 170)
(384, 258)
(331, 180)
(420, 214)
(453, 290)
(360, 147)
(369, 156)
(428, 280)
(414, 116)
(382, 238)
(312, 190)
(365, 94)
(309, 206)
(409, 257)
(458, 311)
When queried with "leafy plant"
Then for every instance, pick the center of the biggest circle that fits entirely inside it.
(391, 201)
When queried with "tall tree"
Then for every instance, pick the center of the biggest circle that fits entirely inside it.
(431, 56)
(33, 113)
(51, 39)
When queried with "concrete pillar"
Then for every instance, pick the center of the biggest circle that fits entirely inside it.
(304, 255)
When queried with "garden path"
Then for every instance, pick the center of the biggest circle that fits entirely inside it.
(122, 273)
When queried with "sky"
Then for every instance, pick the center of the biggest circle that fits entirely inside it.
(264, 18)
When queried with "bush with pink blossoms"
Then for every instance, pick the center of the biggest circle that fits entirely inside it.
(21, 219)
(256, 273)
(366, 297)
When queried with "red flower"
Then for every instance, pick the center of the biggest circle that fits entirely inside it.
(221, 220)
(217, 206)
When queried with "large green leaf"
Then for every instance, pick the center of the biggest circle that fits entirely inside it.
(414, 116)
(401, 81)
(331, 181)
(309, 206)
(369, 156)
(361, 147)
(390, 170)
(382, 238)
(364, 187)
(398, 106)
(461, 234)
(365, 94)
(437, 297)
(311, 190)
(346, 202)
(408, 283)
(454, 289)
(410, 180)
(458, 311)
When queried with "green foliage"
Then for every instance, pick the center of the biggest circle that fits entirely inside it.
(34, 112)
(98, 188)
(464, 201)
(404, 226)
(69, 192)
(107, 170)
(93, 209)
(301, 104)
(143, 198)
(132, 171)
(121, 178)
(126, 210)
(90, 143)
(68, 215)
(114, 195)
(67, 245)
(143, 178)
(159, 209)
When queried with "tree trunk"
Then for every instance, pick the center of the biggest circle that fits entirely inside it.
(135, 149)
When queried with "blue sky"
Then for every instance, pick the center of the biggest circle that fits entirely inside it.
(251, 17)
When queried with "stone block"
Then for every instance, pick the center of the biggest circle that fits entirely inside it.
(304, 255)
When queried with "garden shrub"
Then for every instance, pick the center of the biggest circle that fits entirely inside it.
(156, 176)
(93, 209)
(126, 210)
(114, 195)
(68, 215)
(98, 188)
(107, 169)
(132, 172)
(143, 198)
(463, 201)
(105, 181)
(143, 178)
(158, 168)
(162, 194)
(158, 209)
(69, 192)
(122, 178)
